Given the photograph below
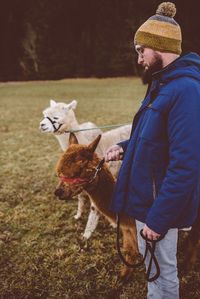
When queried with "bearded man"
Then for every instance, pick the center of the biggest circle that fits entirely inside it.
(159, 180)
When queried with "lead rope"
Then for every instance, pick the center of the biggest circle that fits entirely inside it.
(150, 247)
(53, 122)
(98, 168)
(96, 128)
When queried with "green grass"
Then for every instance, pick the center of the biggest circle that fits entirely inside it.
(42, 254)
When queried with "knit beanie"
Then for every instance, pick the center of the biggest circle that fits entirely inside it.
(161, 32)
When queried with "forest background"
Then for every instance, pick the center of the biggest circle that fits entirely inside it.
(51, 39)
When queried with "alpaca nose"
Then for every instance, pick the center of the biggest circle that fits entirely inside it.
(59, 193)
(42, 126)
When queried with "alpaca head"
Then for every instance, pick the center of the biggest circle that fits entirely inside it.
(56, 115)
(76, 167)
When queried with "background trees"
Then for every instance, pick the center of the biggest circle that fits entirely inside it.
(42, 39)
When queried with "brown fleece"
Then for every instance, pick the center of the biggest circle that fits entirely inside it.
(81, 161)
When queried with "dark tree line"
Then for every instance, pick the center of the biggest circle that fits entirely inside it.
(52, 39)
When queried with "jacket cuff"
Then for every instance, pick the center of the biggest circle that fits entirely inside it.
(124, 145)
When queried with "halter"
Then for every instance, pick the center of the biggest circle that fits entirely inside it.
(75, 181)
(81, 181)
(53, 122)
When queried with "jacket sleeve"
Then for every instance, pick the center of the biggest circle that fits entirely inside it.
(124, 145)
(183, 172)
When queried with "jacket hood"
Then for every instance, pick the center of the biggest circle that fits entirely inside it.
(187, 65)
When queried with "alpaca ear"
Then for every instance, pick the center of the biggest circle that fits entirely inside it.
(53, 103)
(72, 139)
(72, 105)
(92, 146)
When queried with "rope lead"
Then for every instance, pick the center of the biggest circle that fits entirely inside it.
(150, 247)
(96, 128)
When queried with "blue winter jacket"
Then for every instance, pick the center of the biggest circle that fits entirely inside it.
(159, 180)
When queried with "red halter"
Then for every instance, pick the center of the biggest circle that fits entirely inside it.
(75, 181)
(78, 180)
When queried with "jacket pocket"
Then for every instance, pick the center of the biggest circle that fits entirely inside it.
(154, 126)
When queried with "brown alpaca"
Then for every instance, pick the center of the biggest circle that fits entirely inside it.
(76, 169)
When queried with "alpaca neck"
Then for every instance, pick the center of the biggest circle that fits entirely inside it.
(102, 193)
(71, 121)
(71, 124)
(74, 125)
(63, 140)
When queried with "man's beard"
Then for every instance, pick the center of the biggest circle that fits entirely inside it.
(156, 66)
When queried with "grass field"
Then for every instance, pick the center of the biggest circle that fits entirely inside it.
(42, 254)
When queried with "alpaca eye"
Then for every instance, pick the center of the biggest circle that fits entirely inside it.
(55, 117)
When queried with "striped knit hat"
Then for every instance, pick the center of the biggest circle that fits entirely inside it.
(161, 32)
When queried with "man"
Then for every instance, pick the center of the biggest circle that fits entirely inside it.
(159, 180)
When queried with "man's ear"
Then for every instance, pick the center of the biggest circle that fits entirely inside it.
(52, 103)
(72, 139)
(92, 146)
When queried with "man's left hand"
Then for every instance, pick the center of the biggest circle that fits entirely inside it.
(150, 234)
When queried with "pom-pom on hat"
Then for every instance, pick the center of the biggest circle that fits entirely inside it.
(161, 32)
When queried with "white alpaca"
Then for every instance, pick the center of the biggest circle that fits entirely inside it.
(59, 118)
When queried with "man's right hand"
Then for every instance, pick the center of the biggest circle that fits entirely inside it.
(114, 153)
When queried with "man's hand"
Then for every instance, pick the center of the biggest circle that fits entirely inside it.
(114, 153)
(150, 234)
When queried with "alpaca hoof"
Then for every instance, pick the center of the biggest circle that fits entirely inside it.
(114, 225)
(83, 244)
(77, 216)
(87, 235)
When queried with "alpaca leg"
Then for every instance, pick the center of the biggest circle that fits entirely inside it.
(92, 222)
(192, 251)
(192, 244)
(81, 202)
(130, 249)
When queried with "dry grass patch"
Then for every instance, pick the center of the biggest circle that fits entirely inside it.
(42, 254)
